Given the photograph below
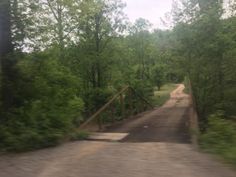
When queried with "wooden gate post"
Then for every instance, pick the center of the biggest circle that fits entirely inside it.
(131, 101)
(112, 113)
(100, 123)
(122, 105)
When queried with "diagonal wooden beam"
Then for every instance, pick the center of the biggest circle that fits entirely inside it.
(94, 116)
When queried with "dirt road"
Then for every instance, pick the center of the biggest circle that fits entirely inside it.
(157, 146)
(167, 124)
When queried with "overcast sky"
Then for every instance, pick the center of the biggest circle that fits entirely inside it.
(151, 10)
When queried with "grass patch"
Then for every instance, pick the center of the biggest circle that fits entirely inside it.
(79, 135)
(160, 97)
(220, 138)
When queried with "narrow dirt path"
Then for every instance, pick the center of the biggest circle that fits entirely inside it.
(161, 149)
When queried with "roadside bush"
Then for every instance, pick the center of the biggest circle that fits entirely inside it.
(220, 137)
(50, 109)
(96, 98)
(79, 135)
(143, 88)
(158, 75)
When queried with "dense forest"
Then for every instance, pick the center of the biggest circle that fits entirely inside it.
(61, 60)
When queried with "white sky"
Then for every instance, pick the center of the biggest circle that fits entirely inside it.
(151, 10)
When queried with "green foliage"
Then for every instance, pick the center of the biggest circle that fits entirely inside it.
(220, 137)
(16, 136)
(96, 98)
(158, 75)
(205, 51)
(79, 135)
(187, 85)
(163, 94)
(204, 47)
(49, 105)
(143, 88)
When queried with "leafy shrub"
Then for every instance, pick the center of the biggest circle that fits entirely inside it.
(158, 75)
(143, 88)
(220, 137)
(79, 135)
(50, 106)
(96, 98)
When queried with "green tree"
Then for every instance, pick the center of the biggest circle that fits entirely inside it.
(142, 46)
(102, 21)
(203, 44)
(56, 23)
(158, 75)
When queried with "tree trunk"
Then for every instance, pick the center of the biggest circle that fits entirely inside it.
(97, 41)
(60, 34)
(6, 48)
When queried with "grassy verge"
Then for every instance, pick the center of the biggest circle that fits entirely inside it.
(220, 138)
(160, 97)
(79, 135)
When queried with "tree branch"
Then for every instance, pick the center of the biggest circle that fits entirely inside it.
(51, 8)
